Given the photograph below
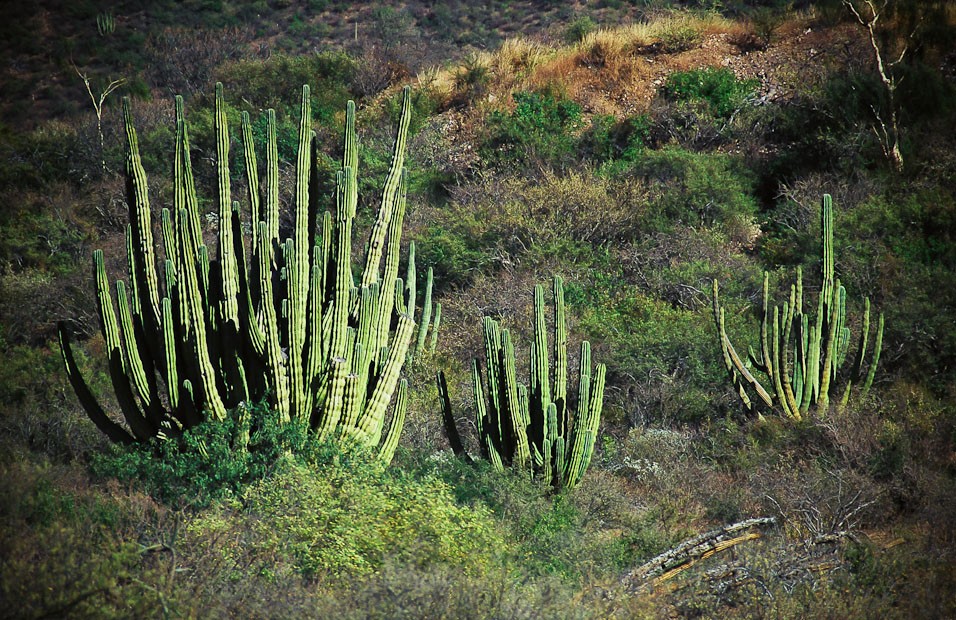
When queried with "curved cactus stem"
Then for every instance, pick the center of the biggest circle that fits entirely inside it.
(426, 314)
(108, 427)
(734, 365)
(877, 347)
(392, 184)
(390, 443)
(370, 424)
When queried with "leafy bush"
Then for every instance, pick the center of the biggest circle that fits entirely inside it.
(718, 88)
(274, 82)
(350, 516)
(540, 129)
(679, 37)
(579, 28)
(699, 189)
(211, 461)
(609, 139)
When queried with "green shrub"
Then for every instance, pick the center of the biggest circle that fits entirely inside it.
(211, 461)
(679, 38)
(348, 516)
(70, 550)
(272, 83)
(699, 189)
(579, 28)
(660, 354)
(718, 88)
(540, 129)
(609, 139)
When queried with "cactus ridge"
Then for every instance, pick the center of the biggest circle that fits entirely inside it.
(290, 325)
(800, 354)
(533, 428)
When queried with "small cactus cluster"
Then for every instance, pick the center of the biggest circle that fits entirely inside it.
(533, 428)
(196, 337)
(105, 24)
(800, 354)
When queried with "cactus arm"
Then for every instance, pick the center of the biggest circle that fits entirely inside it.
(877, 346)
(372, 420)
(252, 179)
(765, 363)
(387, 292)
(298, 264)
(190, 291)
(270, 328)
(829, 357)
(863, 342)
(426, 314)
(590, 425)
(540, 365)
(390, 443)
(560, 395)
(512, 405)
(734, 365)
(138, 423)
(185, 202)
(115, 432)
(411, 280)
(392, 183)
(143, 257)
(579, 449)
(133, 353)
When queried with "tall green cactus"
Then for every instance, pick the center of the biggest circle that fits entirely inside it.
(800, 354)
(197, 336)
(533, 427)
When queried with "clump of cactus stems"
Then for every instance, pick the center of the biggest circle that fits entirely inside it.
(196, 336)
(800, 354)
(533, 428)
(105, 24)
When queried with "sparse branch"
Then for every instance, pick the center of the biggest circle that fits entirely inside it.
(888, 132)
(98, 102)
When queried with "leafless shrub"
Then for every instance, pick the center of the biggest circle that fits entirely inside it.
(184, 60)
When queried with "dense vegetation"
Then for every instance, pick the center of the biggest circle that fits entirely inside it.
(638, 162)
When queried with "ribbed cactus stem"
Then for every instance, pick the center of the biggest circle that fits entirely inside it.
(523, 427)
(801, 354)
(291, 326)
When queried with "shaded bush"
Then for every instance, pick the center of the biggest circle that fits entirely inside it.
(699, 189)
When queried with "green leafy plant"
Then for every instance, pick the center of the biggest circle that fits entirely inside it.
(295, 328)
(541, 127)
(800, 354)
(210, 461)
(719, 89)
(534, 427)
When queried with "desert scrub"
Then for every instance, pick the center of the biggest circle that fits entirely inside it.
(690, 188)
(69, 548)
(348, 516)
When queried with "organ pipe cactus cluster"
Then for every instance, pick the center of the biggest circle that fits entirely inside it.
(534, 427)
(281, 320)
(800, 354)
